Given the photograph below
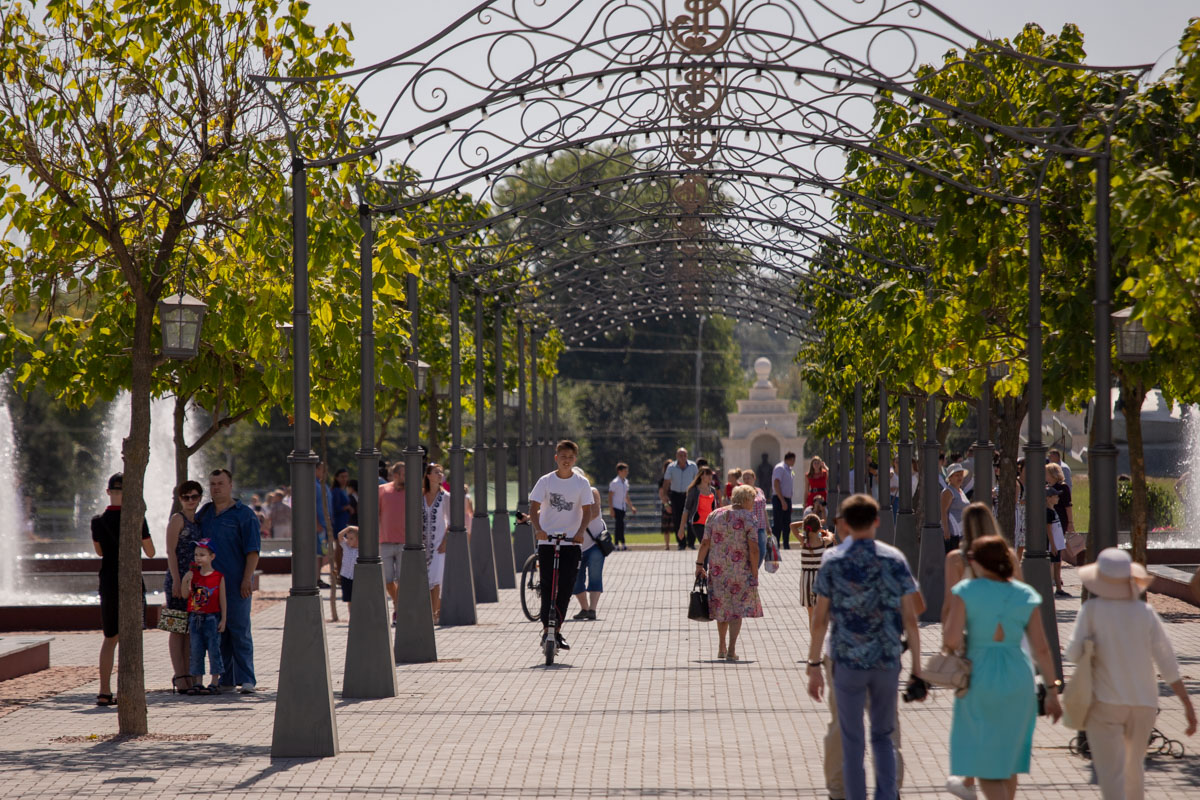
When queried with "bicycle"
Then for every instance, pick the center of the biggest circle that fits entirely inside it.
(550, 639)
(531, 588)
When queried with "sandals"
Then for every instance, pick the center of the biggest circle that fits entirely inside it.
(200, 689)
(175, 684)
(732, 657)
(105, 700)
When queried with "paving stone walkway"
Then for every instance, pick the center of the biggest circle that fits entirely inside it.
(638, 707)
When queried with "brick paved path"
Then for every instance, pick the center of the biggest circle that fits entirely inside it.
(638, 707)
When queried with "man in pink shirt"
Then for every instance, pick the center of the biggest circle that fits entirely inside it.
(391, 530)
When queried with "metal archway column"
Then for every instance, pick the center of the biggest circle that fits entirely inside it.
(535, 431)
(860, 443)
(932, 566)
(483, 560)
(548, 440)
(522, 546)
(370, 666)
(1036, 566)
(887, 530)
(502, 543)
(458, 582)
(305, 725)
(982, 492)
(906, 519)
(415, 642)
(1102, 455)
(844, 459)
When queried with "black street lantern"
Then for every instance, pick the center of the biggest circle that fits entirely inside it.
(181, 316)
(422, 375)
(1133, 343)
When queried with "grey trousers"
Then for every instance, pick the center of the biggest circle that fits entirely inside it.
(833, 743)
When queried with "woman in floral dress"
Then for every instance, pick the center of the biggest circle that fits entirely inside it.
(730, 545)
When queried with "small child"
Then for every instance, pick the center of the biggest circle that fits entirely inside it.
(349, 539)
(205, 589)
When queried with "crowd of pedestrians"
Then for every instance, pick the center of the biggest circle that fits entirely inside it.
(860, 596)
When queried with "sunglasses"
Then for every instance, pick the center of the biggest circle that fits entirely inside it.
(192, 496)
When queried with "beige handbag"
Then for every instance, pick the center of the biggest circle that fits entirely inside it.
(1077, 697)
(950, 671)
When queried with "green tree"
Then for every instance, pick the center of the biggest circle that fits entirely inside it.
(1156, 237)
(134, 138)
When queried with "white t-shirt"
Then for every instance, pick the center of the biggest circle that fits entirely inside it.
(561, 502)
(619, 489)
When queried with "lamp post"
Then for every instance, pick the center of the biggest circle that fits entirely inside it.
(370, 669)
(1133, 342)
(181, 317)
(415, 641)
(304, 726)
(535, 431)
(458, 582)
(502, 543)
(483, 562)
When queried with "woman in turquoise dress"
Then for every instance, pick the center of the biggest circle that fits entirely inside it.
(991, 736)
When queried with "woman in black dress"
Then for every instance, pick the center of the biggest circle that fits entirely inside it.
(182, 534)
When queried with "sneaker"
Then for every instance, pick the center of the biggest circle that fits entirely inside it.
(583, 614)
(956, 786)
(247, 688)
(562, 643)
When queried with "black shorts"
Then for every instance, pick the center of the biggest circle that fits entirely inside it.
(110, 605)
(347, 588)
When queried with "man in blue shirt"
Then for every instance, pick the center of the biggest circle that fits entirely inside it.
(867, 589)
(233, 529)
(679, 477)
(781, 500)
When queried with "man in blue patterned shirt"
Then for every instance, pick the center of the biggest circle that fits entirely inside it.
(868, 591)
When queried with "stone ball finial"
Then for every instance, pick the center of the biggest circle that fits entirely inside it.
(762, 368)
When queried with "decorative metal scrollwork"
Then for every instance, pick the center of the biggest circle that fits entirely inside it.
(695, 34)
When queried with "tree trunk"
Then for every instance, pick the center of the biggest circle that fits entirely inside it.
(1133, 394)
(1008, 444)
(131, 687)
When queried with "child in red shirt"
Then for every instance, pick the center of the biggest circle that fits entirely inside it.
(205, 589)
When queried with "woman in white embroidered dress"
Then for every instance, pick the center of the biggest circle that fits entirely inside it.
(435, 517)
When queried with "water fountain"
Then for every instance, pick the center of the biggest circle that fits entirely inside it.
(13, 523)
(1173, 557)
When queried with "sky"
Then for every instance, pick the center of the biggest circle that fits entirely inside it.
(1116, 31)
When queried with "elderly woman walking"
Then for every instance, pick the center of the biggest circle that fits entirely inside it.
(731, 546)
(1129, 641)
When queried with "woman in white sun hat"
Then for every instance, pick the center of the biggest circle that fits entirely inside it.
(954, 503)
(1129, 641)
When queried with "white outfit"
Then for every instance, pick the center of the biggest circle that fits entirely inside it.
(560, 503)
(1130, 641)
(435, 519)
(349, 559)
(619, 489)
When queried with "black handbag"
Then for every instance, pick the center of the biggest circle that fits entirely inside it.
(603, 541)
(698, 606)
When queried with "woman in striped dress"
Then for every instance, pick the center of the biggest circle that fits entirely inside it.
(812, 547)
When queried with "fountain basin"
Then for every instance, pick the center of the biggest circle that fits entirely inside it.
(273, 562)
(65, 616)
(1174, 581)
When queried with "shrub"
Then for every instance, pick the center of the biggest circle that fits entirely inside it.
(1163, 509)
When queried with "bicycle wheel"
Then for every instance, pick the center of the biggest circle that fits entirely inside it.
(549, 647)
(531, 589)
